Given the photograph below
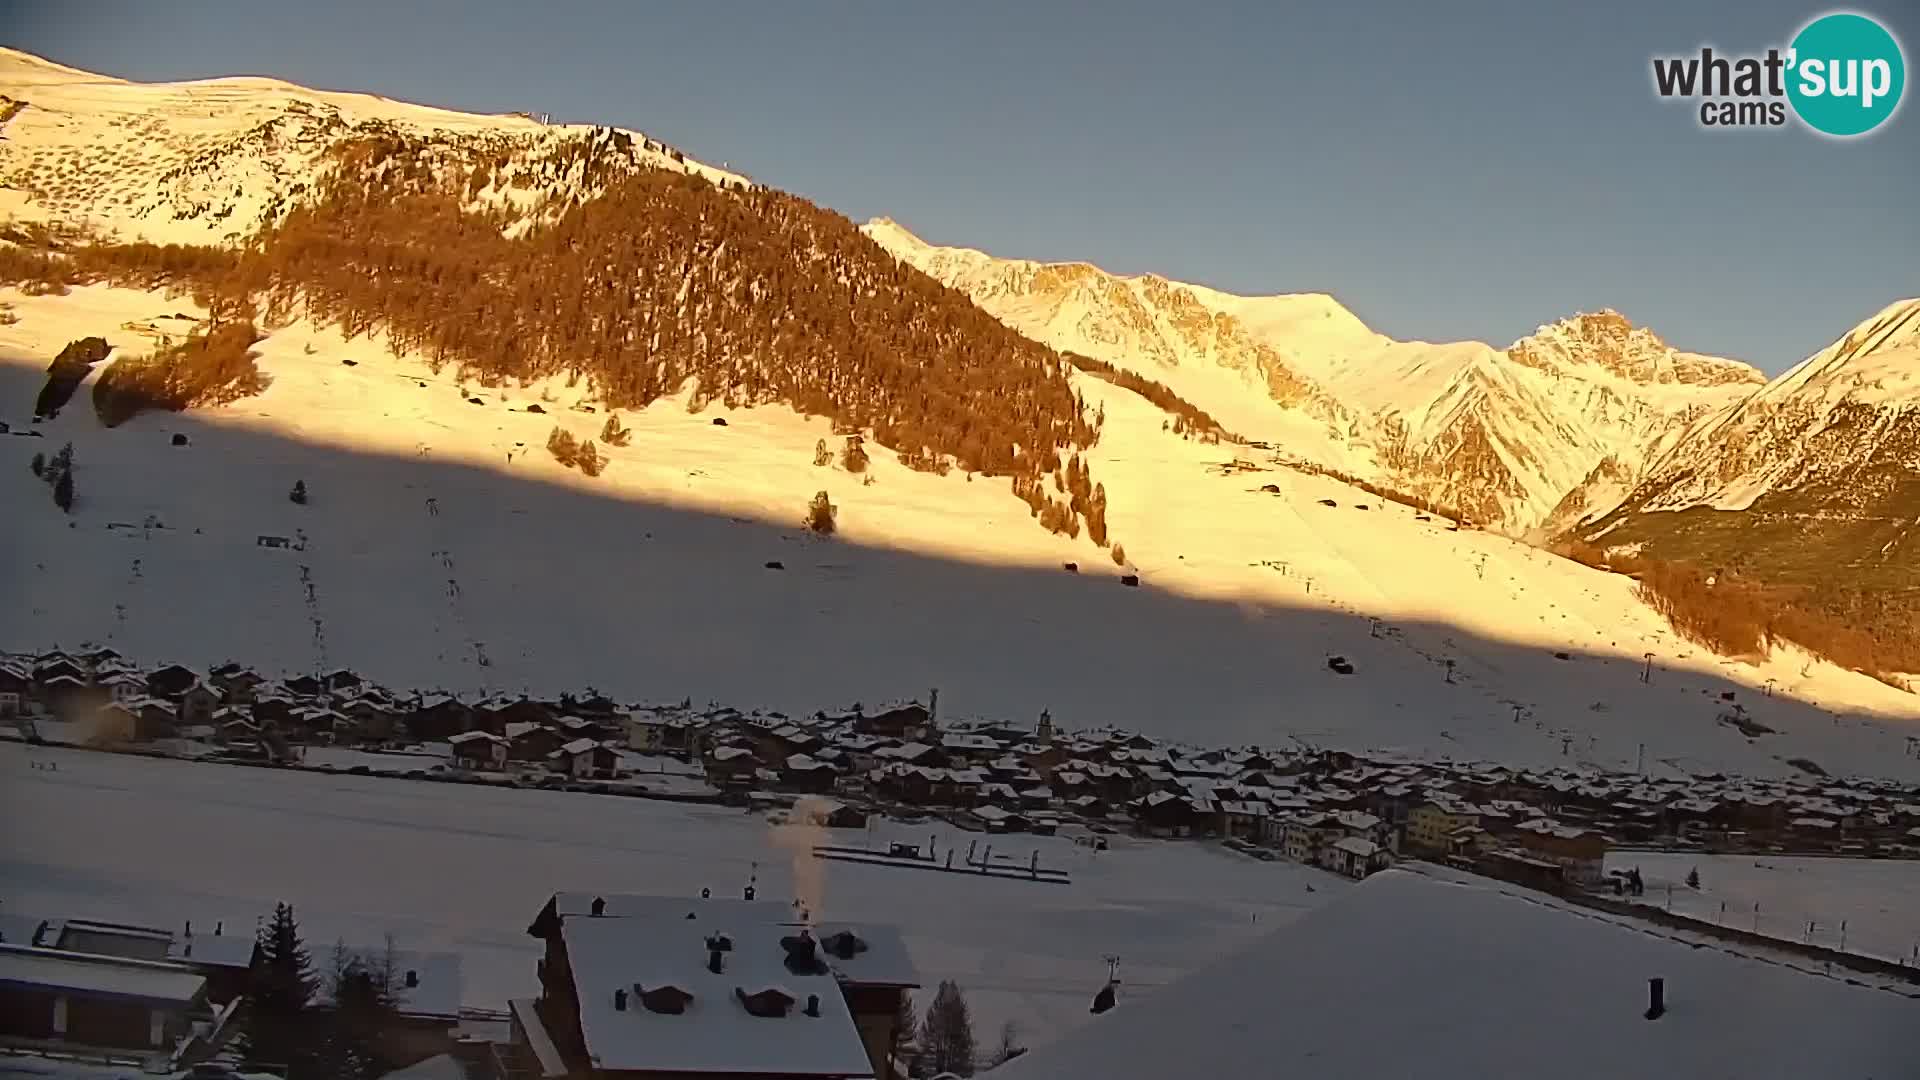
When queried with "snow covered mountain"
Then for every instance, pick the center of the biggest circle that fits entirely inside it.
(1503, 436)
(442, 546)
(1815, 477)
(212, 160)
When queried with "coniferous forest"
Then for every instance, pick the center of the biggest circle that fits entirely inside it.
(640, 285)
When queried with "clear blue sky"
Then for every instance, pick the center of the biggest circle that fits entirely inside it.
(1448, 170)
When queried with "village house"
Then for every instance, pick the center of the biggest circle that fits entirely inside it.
(171, 681)
(1582, 852)
(53, 997)
(1432, 823)
(479, 750)
(531, 742)
(16, 683)
(654, 987)
(1355, 857)
(236, 684)
(908, 723)
(585, 759)
(729, 765)
(438, 716)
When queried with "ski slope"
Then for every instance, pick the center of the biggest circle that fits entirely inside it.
(464, 869)
(444, 548)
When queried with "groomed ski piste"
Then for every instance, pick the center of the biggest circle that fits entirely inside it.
(441, 547)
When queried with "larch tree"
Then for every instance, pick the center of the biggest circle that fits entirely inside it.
(946, 1033)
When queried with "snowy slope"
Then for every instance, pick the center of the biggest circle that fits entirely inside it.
(1428, 974)
(1504, 435)
(649, 583)
(210, 161)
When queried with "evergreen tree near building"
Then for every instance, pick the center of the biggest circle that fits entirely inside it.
(946, 1033)
(365, 993)
(282, 986)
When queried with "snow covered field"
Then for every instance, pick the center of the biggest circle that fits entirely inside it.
(446, 549)
(1878, 899)
(465, 868)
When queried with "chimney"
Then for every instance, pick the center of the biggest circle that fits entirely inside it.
(620, 999)
(813, 1005)
(599, 907)
(716, 961)
(413, 978)
(1656, 998)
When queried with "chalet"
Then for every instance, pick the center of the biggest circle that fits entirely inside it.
(16, 683)
(585, 758)
(1165, 814)
(124, 685)
(1354, 857)
(170, 682)
(912, 753)
(479, 750)
(646, 732)
(374, 719)
(340, 681)
(1242, 818)
(97, 658)
(236, 684)
(999, 820)
(969, 748)
(197, 702)
(730, 765)
(806, 773)
(81, 1000)
(909, 722)
(438, 716)
(635, 987)
(305, 686)
(1579, 850)
(54, 666)
(115, 722)
(68, 696)
(527, 741)
(154, 718)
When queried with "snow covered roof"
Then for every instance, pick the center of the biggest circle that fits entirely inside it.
(1355, 846)
(884, 961)
(1509, 983)
(635, 906)
(18, 929)
(26, 967)
(213, 950)
(714, 1033)
(473, 736)
(439, 982)
(579, 746)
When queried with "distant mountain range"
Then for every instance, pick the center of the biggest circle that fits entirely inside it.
(1504, 436)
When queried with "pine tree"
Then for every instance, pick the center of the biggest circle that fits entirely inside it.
(1693, 878)
(561, 445)
(63, 491)
(283, 985)
(613, 434)
(946, 1032)
(854, 459)
(822, 457)
(39, 464)
(822, 515)
(299, 492)
(587, 459)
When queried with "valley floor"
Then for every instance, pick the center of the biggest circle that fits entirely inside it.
(465, 869)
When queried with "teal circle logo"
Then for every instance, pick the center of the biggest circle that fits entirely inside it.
(1845, 74)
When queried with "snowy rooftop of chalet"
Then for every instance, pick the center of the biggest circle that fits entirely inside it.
(1477, 979)
(95, 975)
(715, 1033)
